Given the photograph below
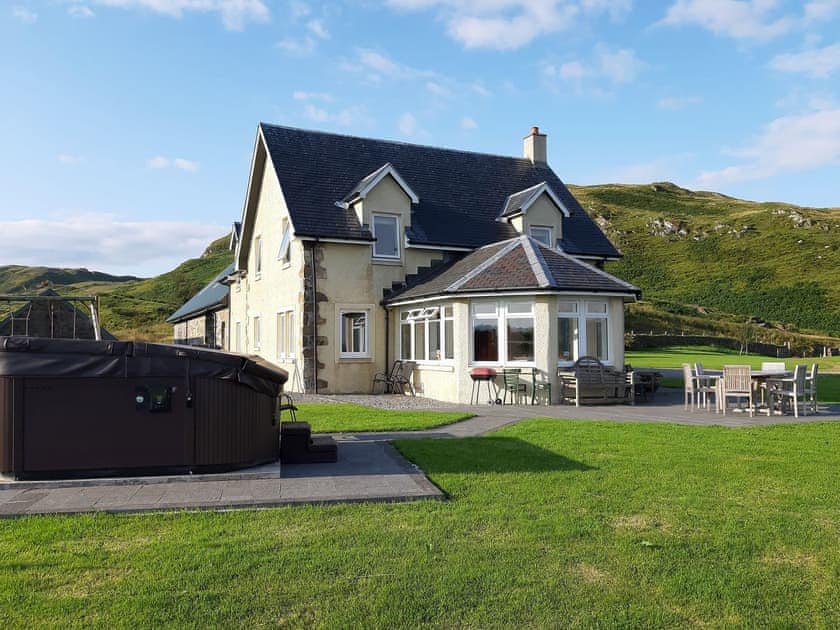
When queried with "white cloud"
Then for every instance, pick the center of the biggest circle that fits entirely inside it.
(67, 158)
(437, 89)
(468, 124)
(613, 67)
(408, 124)
(739, 19)
(480, 89)
(24, 14)
(821, 10)
(80, 11)
(234, 13)
(375, 65)
(354, 117)
(316, 114)
(317, 28)
(511, 24)
(299, 10)
(161, 162)
(788, 144)
(620, 66)
(571, 70)
(818, 63)
(104, 242)
(298, 47)
(678, 102)
(300, 95)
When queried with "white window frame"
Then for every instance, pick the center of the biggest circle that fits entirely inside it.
(422, 317)
(366, 353)
(284, 324)
(550, 230)
(284, 255)
(257, 332)
(501, 316)
(257, 257)
(397, 239)
(583, 315)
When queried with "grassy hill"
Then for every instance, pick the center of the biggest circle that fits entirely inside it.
(131, 308)
(706, 261)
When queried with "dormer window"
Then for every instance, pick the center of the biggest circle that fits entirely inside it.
(386, 232)
(542, 233)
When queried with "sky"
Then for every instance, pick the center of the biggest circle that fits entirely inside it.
(127, 126)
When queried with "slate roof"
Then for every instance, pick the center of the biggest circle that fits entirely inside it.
(461, 193)
(517, 264)
(211, 297)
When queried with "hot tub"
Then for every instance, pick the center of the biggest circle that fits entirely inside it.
(93, 408)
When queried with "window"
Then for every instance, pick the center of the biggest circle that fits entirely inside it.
(543, 234)
(582, 329)
(354, 334)
(285, 335)
(238, 337)
(503, 332)
(386, 234)
(426, 334)
(256, 333)
(567, 332)
(258, 256)
(285, 254)
(520, 331)
(597, 330)
(485, 332)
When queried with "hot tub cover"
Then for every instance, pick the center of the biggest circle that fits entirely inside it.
(31, 356)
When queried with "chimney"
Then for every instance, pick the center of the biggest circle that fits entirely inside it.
(534, 146)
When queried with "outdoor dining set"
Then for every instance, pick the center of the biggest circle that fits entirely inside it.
(773, 389)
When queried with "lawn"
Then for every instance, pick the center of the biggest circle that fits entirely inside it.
(347, 418)
(550, 523)
(714, 358)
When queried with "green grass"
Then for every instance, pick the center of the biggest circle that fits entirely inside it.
(550, 523)
(349, 418)
(715, 358)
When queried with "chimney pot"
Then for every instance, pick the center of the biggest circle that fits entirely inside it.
(535, 131)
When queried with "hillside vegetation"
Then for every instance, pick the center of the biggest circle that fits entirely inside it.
(131, 308)
(719, 260)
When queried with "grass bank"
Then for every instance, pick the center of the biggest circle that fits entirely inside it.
(550, 523)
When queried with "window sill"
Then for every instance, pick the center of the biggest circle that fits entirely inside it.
(257, 276)
(355, 359)
(435, 367)
(394, 262)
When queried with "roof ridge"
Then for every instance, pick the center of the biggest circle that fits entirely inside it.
(504, 251)
(399, 142)
(537, 261)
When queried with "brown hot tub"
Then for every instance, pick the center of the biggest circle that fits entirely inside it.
(79, 408)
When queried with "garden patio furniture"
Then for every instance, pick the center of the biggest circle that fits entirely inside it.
(811, 387)
(791, 390)
(404, 377)
(484, 375)
(539, 386)
(513, 385)
(592, 383)
(690, 387)
(387, 379)
(285, 403)
(706, 385)
(736, 383)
